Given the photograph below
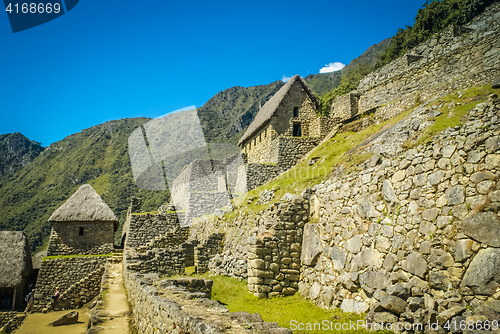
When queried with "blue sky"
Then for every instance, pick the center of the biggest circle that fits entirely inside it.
(113, 59)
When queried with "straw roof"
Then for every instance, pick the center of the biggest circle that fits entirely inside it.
(84, 206)
(15, 258)
(264, 115)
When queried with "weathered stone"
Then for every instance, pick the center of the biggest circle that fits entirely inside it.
(390, 261)
(484, 187)
(420, 180)
(440, 258)
(375, 279)
(496, 83)
(353, 245)
(398, 176)
(311, 247)
(389, 194)
(448, 314)
(492, 144)
(483, 274)
(455, 195)
(398, 290)
(384, 317)
(463, 250)
(367, 258)
(415, 264)
(474, 157)
(439, 279)
(436, 177)
(353, 306)
(481, 176)
(382, 244)
(257, 264)
(338, 256)
(492, 161)
(67, 319)
(483, 227)
(431, 214)
(393, 304)
(314, 291)
(414, 303)
(425, 247)
(448, 150)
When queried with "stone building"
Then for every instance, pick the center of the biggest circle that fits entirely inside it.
(288, 116)
(345, 107)
(84, 224)
(15, 269)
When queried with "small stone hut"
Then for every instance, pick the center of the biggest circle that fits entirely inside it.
(15, 269)
(82, 225)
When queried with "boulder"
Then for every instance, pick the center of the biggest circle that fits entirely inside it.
(483, 274)
(393, 304)
(496, 83)
(415, 264)
(483, 227)
(311, 247)
(375, 279)
(455, 195)
(67, 319)
(353, 306)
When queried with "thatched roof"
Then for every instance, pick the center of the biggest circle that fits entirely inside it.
(84, 206)
(15, 258)
(264, 115)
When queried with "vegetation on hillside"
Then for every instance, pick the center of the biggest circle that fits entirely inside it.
(322, 83)
(432, 18)
(16, 151)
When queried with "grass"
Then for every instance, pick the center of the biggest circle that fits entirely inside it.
(234, 294)
(72, 256)
(454, 116)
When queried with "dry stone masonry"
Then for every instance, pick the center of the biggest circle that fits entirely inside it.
(415, 238)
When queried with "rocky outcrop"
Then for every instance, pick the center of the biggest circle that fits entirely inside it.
(16, 152)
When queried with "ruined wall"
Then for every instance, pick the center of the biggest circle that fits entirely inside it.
(290, 150)
(64, 273)
(144, 227)
(274, 252)
(420, 232)
(204, 203)
(10, 321)
(456, 58)
(206, 250)
(184, 306)
(65, 238)
(258, 147)
(259, 174)
(163, 261)
(345, 107)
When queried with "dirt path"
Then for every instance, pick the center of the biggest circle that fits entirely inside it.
(115, 303)
(38, 323)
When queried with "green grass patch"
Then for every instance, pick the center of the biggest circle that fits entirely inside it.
(234, 294)
(454, 116)
(72, 256)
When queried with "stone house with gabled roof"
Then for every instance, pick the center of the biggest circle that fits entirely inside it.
(286, 127)
(84, 224)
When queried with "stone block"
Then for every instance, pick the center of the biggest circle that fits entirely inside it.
(415, 264)
(483, 227)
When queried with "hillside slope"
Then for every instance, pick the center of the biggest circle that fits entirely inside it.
(16, 152)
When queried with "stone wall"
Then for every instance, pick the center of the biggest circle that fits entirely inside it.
(258, 148)
(64, 273)
(206, 250)
(139, 229)
(73, 238)
(10, 321)
(184, 306)
(204, 203)
(289, 150)
(420, 231)
(274, 252)
(163, 261)
(345, 107)
(259, 174)
(456, 58)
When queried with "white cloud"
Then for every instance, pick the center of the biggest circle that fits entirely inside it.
(284, 78)
(332, 67)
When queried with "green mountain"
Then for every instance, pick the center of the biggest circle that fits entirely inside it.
(370, 57)
(322, 83)
(225, 117)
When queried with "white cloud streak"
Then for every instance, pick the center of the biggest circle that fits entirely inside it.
(332, 67)
(284, 78)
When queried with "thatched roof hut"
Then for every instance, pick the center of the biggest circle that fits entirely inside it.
(15, 258)
(85, 205)
(264, 115)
